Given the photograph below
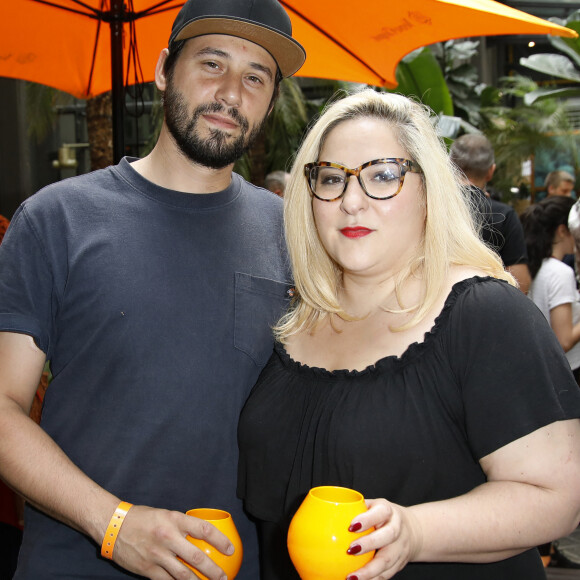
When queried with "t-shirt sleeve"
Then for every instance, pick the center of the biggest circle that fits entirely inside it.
(25, 306)
(562, 285)
(512, 373)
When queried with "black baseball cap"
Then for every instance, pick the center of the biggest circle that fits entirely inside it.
(264, 22)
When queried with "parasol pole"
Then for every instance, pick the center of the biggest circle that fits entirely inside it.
(117, 88)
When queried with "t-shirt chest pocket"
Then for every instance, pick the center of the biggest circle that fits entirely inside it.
(259, 303)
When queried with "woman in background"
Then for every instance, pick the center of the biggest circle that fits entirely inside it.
(408, 367)
(553, 288)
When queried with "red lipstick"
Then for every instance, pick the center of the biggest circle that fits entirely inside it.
(357, 232)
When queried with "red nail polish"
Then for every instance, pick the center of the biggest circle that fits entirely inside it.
(352, 578)
(354, 550)
(355, 527)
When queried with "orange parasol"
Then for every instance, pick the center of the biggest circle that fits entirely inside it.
(364, 41)
(86, 47)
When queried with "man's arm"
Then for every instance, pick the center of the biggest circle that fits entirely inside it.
(521, 273)
(31, 462)
(37, 468)
(513, 252)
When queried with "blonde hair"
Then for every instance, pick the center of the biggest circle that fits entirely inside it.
(450, 236)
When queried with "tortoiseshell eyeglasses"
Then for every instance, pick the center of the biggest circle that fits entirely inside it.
(379, 179)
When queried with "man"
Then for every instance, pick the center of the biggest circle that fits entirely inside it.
(501, 228)
(150, 287)
(276, 182)
(559, 183)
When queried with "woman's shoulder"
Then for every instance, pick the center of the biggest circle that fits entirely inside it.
(485, 316)
(485, 300)
(553, 266)
(553, 278)
(458, 274)
(468, 279)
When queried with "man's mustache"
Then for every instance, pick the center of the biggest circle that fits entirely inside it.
(231, 112)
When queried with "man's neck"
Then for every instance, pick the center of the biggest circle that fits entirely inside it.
(480, 184)
(167, 167)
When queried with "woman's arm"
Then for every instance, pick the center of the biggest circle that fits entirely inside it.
(561, 322)
(532, 497)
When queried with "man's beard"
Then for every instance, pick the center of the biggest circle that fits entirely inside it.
(214, 151)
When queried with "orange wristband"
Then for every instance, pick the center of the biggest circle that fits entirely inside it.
(113, 529)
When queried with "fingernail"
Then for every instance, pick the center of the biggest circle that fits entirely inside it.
(230, 550)
(354, 550)
(352, 577)
(355, 528)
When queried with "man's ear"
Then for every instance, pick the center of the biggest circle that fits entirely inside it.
(272, 105)
(490, 173)
(160, 78)
(274, 98)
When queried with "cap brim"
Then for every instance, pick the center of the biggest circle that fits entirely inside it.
(288, 54)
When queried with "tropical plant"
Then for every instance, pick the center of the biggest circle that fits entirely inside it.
(461, 76)
(41, 104)
(281, 136)
(562, 66)
(442, 77)
(419, 75)
(518, 132)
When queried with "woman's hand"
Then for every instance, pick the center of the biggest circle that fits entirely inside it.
(397, 539)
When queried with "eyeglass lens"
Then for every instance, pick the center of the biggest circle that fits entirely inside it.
(380, 180)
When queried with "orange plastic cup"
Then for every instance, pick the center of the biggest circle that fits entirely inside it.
(223, 521)
(318, 538)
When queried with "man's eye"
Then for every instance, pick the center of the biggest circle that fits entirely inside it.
(255, 80)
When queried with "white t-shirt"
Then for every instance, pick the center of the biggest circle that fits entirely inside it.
(555, 284)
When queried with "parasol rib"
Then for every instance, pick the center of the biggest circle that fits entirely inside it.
(93, 14)
(105, 16)
(89, 84)
(152, 9)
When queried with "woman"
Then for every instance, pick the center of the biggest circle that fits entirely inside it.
(405, 367)
(553, 287)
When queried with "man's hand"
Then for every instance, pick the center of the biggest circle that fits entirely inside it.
(151, 541)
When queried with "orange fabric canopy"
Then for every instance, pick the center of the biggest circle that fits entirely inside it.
(360, 42)
(365, 41)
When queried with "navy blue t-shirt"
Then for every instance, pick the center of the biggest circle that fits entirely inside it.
(154, 308)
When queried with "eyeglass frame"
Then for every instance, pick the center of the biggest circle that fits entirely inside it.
(405, 165)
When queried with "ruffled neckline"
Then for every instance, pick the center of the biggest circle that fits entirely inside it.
(411, 353)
